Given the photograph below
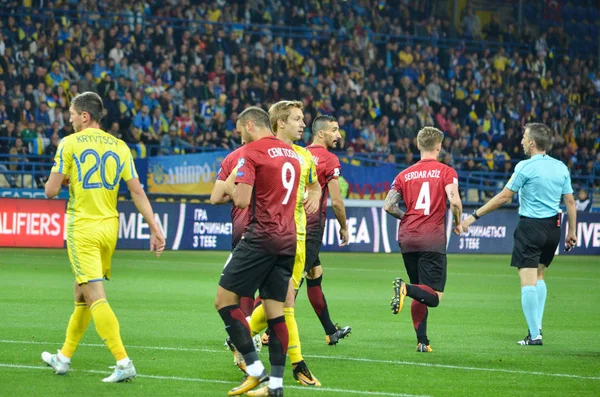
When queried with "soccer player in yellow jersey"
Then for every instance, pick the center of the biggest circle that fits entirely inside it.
(288, 125)
(93, 162)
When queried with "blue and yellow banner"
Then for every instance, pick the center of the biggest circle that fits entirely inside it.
(369, 183)
(185, 174)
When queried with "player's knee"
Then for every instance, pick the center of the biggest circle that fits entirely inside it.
(315, 272)
(218, 304)
(91, 294)
(225, 298)
(439, 299)
(290, 299)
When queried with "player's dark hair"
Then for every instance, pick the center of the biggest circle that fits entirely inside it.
(91, 103)
(540, 133)
(320, 122)
(257, 115)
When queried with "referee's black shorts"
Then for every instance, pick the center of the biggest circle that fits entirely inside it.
(536, 241)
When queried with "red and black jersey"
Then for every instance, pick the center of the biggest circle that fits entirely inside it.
(239, 217)
(328, 168)
(423, 189)
(272, 167)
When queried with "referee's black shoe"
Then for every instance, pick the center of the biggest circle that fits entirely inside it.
(528, 340)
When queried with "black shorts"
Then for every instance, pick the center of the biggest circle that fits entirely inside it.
(247, 271)
(313, 247)
(536, 241)
(428, 268)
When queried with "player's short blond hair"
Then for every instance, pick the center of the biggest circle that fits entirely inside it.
(428, 138)
(281, 111)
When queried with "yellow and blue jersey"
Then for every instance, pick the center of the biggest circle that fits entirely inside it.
(94, 162)
(308, 175)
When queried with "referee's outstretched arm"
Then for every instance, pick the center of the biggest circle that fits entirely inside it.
(496, 202)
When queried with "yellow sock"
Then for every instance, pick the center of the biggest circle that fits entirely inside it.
(107, 326)
(80, 319)
(294, 349)
(258, 320)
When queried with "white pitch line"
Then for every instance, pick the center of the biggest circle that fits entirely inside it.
(218, 381)
(448, 366)
(182, 349)
(342, 358)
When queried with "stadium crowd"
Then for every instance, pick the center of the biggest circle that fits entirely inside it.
(174, 75)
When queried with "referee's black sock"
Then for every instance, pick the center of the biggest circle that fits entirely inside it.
(423, 294)
(239, 331)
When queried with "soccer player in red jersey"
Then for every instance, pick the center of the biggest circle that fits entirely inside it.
(239, 217)
(266, 183)
(326, 133)
(424, 188)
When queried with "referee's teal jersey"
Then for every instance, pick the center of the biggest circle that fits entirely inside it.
(540, 182)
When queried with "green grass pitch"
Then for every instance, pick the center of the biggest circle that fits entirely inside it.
(175, 337)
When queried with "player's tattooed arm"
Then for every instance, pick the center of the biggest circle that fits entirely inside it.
(392, 204)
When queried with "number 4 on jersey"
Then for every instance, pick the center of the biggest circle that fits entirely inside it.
(424, 199)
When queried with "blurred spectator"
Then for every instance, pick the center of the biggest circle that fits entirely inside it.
(172, 144)
(583, 202)
(471, 25)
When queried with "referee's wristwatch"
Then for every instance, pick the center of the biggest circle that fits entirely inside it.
(474, 213)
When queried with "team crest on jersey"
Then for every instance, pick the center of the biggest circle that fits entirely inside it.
(336, 172)
(241, 162)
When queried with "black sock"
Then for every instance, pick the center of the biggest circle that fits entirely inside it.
(278, 344)
(422, 331)
(423, 294)
(239, 332)
(319, 304)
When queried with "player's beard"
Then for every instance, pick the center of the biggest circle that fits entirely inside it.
(334, 143)
(246, 137)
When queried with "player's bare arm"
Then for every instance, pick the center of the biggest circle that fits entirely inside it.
(455, 205)
(218, 195)
(496, 202)
(571, 238)
(392, 204)
(229, 185)
(337, 203)
(242, 195)
(313, 197)
(157, 239)
(53, 184)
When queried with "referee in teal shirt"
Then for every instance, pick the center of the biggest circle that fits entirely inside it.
(540, 182)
